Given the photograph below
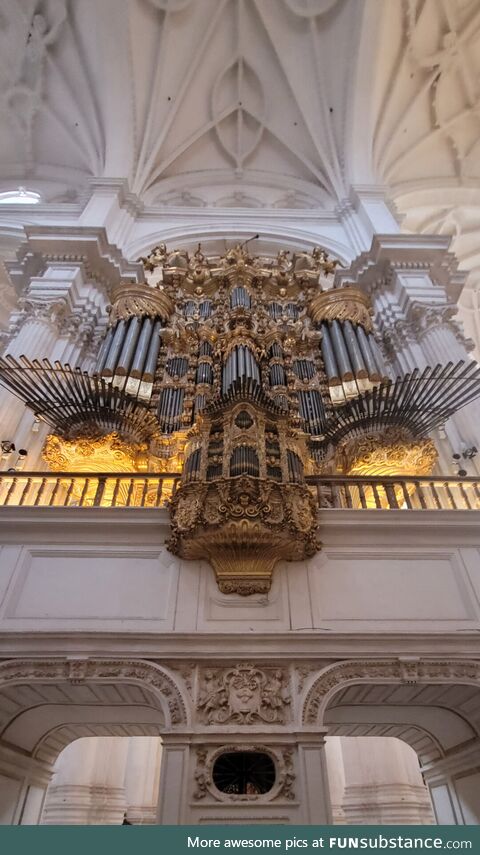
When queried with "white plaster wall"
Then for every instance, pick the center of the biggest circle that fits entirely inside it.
(109, 570)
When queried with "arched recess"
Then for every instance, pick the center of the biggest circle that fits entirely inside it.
(432, 705)
(45, 704)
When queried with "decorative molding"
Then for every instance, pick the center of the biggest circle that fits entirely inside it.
(408, 670)
(283, 787)
(243, 527)
(83, 670)
(133, 300)
(342, 304)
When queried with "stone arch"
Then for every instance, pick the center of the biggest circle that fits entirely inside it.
(83, 671)
(338, 676)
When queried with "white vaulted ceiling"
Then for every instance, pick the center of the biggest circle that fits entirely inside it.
(249, 103)
(235, 103)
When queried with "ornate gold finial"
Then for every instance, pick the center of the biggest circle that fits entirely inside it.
(155, 258)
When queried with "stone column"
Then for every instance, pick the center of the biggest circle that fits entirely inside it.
(88, 784)
(23, 784)
(454, 784)
(383, 784)
(172, 801)
(55, 319)
(336, 777)
(142, 778)
(313, 778)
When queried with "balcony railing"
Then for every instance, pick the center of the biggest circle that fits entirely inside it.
(152, 490)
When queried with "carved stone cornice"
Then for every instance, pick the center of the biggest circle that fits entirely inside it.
(86, 246)
(392, 253)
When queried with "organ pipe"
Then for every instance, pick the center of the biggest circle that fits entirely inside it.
(103, 353)
(142, 348)
(114, 349)
(128, 349)
(341, 353)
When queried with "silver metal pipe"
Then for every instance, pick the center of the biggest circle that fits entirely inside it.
(377, 356)
(242, 366)
(103, 352)
(354, 351)
(152, 355)
(341, 353)
(142, 349)
(367, 355)
(329, 361)
(114, 351)
(128, 349)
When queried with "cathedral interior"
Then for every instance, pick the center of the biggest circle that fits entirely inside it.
(240, 470)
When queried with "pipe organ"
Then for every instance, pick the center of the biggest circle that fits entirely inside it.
(245, 374)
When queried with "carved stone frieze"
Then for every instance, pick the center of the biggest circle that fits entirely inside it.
(244, 695)
(201, 775)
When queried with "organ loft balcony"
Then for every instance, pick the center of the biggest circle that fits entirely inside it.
(245, 400)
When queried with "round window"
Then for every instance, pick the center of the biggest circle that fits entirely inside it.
(244, 773)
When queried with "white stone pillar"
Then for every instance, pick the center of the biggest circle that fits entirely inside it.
(60, 310)
(172, 802)
(336, 777)
(383, 784)
(142, 778)
(23, 784)
(313, 779)
(88, 784)
(112, 206)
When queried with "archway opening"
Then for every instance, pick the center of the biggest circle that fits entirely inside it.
(106, 780)
(376, 780)
(439, 719)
